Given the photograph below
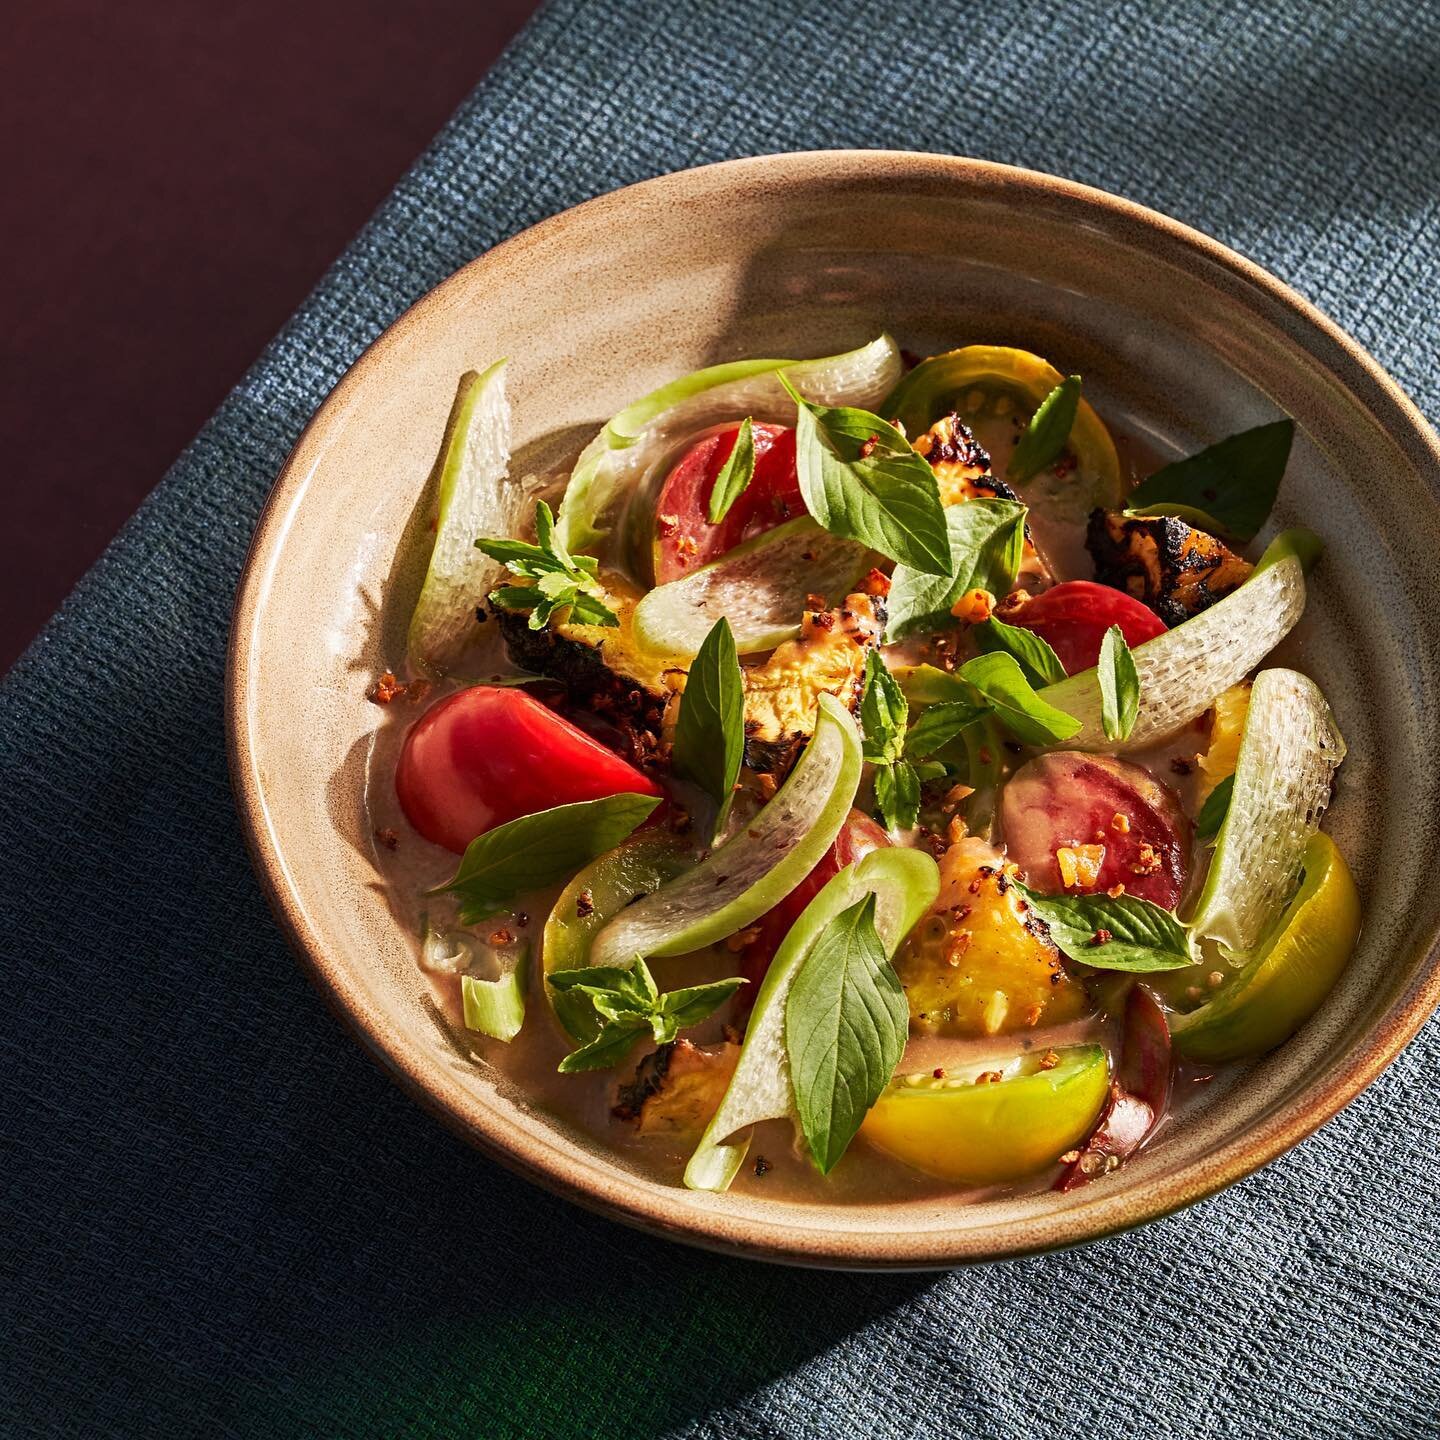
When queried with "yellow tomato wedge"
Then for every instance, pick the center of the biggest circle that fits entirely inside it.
(995, 381)
(976, 1130)
(1282, 985)
(1227, 729)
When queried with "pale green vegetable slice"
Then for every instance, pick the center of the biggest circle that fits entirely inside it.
(1182, 671)
(494, 1007)
(1288, 757)
(474, 498)
(624, 457)
(905, 884)
(759, 587)
(758, 866)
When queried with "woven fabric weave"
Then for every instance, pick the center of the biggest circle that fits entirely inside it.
(223, 1220)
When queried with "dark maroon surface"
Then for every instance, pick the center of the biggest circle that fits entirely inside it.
(178, 176)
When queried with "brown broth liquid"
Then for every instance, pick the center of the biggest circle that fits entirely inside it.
(412, 865)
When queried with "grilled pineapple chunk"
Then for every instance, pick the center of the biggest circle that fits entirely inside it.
(678, 1088)
(1172, 567)
(976, 965)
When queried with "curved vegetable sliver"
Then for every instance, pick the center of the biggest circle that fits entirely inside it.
(1287, 762)
(638, 866)
(491, 1007)
(759, 587)
(758, 866)
(473, 499)
(905, 884)
(620, 461)
(1182, 671)
(947, 382)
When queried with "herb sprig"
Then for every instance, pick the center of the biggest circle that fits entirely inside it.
(562, 581)
(1112, 932)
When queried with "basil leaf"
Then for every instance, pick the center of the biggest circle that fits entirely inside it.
(1119, 685)
(1120, 932)
(1033, 654)
(562, 581)
(883, 713)
(897, 795)
(629, 987)
(1214, 810)
(710, 730)
(608, 1048)
(1014, 703)
(939, 725)
(680, 1009)
(845, 1025)
(987, 543)
(1045, 436)
(930, 770)
(1232, 483)
(861, 480)
(735, 474)
(537, 850)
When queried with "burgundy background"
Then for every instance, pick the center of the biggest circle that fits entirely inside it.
(179, 176)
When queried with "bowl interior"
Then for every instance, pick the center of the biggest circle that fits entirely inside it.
(1179, 343)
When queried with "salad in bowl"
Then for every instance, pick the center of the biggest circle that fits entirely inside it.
(860, 778)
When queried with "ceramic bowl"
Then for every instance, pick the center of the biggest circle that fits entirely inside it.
(1180, 341)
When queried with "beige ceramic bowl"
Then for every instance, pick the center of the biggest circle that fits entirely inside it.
(1180, 341)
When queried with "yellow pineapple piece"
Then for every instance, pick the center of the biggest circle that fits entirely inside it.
(974, 966)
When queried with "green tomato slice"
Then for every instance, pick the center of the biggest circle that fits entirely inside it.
(992, 1132)
(905, 884)
(758, 866)
(1283, 984)
(639, 867)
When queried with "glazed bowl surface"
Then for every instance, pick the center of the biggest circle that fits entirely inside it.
(1180, 341)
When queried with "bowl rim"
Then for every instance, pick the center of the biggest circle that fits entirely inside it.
(608, 1190)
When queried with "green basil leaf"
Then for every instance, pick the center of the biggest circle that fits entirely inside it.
(680, 1009)
(883, 713)
(987, 543)
(1014, 703)
(1233, 482)
(929, 770)
(1214, 810)
(897, 795)
(630, 987)
(710, 730)
(939, 725)
(845, 1026)
(1034, 655)
(1119, 686)
(537, 850)
(1120, 932)
(735, 474)
(562, 581)
(861, 480)
(608, 1048)
(1044, 438)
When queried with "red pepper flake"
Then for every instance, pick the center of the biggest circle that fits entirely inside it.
(1050, 1059)
(667, 525)
(1102, 937)
(501, 937)
(868, 448)
(989, 1077)
(877, 583)
(762, 1166)
(584, 904)
(385, 689)
(388, 838)
(938, 1072)
(1181, 766)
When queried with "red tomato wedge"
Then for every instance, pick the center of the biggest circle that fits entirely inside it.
(487, 755)
(1074, 616)
(857, 838)
(684, 537)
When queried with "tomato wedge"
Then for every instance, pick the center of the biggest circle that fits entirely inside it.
(1073, 617)
(487, 755)
(684, 537)
(857, 838)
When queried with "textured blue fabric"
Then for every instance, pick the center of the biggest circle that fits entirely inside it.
(221, 1219)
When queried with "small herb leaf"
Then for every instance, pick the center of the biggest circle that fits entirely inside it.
(710, 729)
(897, 794)
(1044, 438)
(845, 1025)
(1014, 703)
(735, 474)
(883, 713)
(537, 850)
(1119, 686)
(939, 725)
(607, 1049)
(987, 543)
(1214, 810)
(1233, 483)
(561, 581)
(1035, 657)
(1121, 932)
(861, 480)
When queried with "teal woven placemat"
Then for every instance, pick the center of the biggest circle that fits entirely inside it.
(221, 1219)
